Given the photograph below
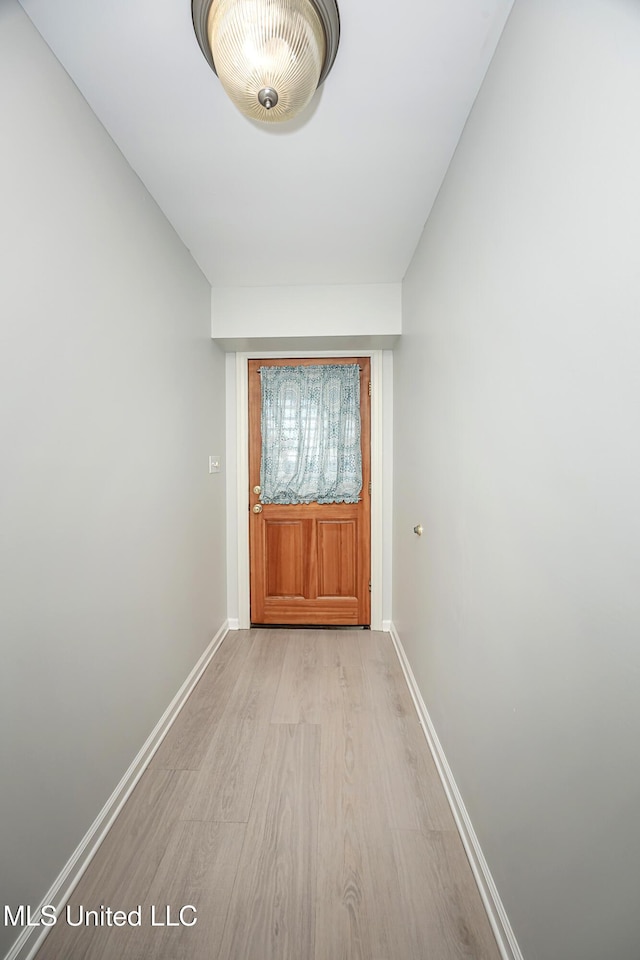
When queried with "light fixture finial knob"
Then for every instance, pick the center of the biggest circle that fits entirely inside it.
(268, 97)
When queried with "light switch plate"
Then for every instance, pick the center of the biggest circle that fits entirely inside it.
(214, 464)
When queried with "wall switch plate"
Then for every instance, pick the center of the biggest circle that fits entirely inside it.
(214, 464)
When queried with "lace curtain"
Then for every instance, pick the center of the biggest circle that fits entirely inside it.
(311, 434)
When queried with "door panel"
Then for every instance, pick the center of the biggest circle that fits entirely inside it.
(284, 552)
(310, 563)
(336, 558)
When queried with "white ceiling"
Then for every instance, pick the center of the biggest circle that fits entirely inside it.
(339, 195)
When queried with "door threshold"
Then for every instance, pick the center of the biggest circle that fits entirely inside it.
(309, 626)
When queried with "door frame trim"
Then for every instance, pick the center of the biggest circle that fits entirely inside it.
(242, 474)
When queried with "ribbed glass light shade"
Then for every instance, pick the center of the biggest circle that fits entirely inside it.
(267, 45)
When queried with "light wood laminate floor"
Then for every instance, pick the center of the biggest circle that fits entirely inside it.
(295, 804)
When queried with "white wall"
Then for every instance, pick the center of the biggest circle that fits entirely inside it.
(516, 445)
(245, 318)
(111, 530)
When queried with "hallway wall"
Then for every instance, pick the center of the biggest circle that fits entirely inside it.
(516, 445)
(112, 533)
(244, 316)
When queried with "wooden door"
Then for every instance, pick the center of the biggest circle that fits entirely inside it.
(310, 563)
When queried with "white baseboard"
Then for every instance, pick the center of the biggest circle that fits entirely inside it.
(507, 943)
(386, 626)
(30, 940)
(233, 623)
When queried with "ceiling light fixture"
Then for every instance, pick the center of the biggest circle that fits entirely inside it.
(270, 55)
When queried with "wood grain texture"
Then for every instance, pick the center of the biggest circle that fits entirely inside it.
(439, 901)
(224, 786)
(188, 740)
(123, 869)
(356, 872)
(387, 690)
(322, 673)
(314, 829)
(300, 694)
(198, 869)
(272, 912)
(407, 778)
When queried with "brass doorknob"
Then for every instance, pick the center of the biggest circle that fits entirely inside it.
(257, 489)
(418, 529)
(257, 508)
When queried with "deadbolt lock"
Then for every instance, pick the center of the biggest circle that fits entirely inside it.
(257, 508)
(257, 489)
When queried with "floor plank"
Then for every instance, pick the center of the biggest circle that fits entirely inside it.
(322, 672)
(225, 784)
(407, 776)
(387, 690)
(440, 905)
(123, 869)
(300, 694)
(197, 870)
(188, 740)
(355, 864)
(272, 915)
